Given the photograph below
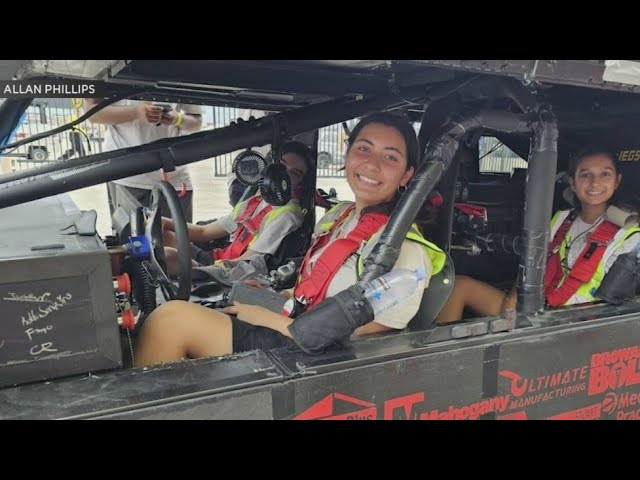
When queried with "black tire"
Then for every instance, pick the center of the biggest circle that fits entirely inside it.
(38, 154)
(324, 159)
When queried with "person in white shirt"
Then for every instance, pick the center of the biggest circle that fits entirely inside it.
(132, 123)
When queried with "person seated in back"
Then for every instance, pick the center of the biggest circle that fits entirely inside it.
(584, 245)
(255, 226)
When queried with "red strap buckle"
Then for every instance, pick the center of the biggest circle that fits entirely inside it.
(165, 177)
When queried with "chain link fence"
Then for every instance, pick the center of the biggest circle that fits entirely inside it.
(87, 139)
(84, 139)
(498, 158)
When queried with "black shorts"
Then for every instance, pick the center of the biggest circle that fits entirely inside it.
(203, 257)
(250, 337)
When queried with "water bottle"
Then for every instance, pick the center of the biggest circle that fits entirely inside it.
(391, 288)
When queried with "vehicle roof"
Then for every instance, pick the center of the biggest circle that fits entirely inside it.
(583, 94)
(284, 84)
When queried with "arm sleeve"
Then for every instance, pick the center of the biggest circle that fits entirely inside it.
(228, 223)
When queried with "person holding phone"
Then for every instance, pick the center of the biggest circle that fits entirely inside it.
(132, 123)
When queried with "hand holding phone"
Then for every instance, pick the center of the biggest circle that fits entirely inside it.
(166, 108)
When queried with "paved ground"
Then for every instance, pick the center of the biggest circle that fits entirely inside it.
(210, 195)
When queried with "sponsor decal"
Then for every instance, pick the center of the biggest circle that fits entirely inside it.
(408, 407)
(333, 406)
(592, 412)
(625, 406)
(629, 155)
(614, 369)
(628, 415)
(402, 408)
(610, 403)
(469, 412)
(521, 415)
(607, 373)
(529, 391)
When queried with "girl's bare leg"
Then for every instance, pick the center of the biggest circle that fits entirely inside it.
(178, 330)
(468, 292)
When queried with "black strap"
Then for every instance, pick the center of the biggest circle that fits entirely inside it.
(167, 157)
(279, 136)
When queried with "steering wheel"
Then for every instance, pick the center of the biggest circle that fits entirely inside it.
(153, 231)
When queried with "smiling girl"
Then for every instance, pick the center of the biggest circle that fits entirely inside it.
(381, 158)
(584, 245)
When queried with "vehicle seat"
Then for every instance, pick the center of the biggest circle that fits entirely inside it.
(434, 297)
(295, 244)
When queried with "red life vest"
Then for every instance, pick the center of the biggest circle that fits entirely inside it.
(246, 232)
(584, 267)
(311, 287)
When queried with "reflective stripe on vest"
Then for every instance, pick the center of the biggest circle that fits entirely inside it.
(435, 253)
(249, 226)
(312, 285)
